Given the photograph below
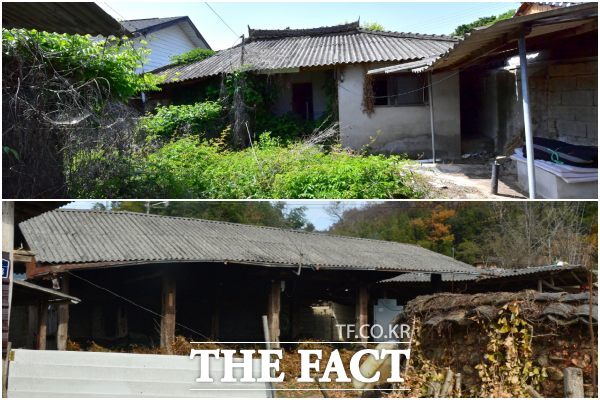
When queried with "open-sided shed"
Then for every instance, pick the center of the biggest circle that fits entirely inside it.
(224, 276)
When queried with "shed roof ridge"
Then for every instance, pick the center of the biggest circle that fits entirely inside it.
(148, 19)
(411, 35)
(74, 210)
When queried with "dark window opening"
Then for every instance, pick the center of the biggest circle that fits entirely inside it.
(400, 90)
(302, 100)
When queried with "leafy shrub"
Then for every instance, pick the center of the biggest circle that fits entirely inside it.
(198, 118)
(189, 167)
(192, 56)
(287, 127)
(111, 63)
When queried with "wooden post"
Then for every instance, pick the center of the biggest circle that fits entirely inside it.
(8, 234)
(32, 325)
(273, 310)
(573, 382)
(167, 323)
(362, 313)
(42, 328)
(216, 317)
(122, 322)
(458, 384)
(62, 332)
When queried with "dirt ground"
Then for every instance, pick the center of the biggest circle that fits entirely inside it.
(468, 181)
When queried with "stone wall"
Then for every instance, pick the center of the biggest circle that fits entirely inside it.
(462, 348)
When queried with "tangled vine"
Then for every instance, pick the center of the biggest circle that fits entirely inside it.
(508, 369)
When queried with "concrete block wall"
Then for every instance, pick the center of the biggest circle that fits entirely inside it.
(564, 102)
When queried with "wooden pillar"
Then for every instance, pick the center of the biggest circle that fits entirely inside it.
(216, 317)
(62, 332)
(42, 327)
(32, 325)
(362, 313)
(8, 233)
(122, 322)
(273, 310)
(167, 323)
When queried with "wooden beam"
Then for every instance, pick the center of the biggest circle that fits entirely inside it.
(273, 310)
(362, 313)
(21, 255)
(42, 328)
(167, 323)
(62, 332)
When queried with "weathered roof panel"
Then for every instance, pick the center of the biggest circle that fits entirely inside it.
(81, 236)
(148, 25)
(302, 48)
(140, 25)
(80, 18)
(504, 34)
(495, 273)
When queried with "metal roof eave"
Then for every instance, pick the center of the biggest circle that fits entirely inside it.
(462, 52)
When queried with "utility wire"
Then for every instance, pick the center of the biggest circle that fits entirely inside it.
(222, 20)
(135, 304)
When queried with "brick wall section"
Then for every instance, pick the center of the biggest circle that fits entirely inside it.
(564, 102)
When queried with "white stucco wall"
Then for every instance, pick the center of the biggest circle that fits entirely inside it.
(402, 129)
(164, 44)
(283, 84)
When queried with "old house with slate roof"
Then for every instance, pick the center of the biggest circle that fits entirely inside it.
(309, 67)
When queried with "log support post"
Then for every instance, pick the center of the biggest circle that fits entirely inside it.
(42, 325)
(362, 314)
(62, 332)
(573, 382)
(273, 310)
(167, 322)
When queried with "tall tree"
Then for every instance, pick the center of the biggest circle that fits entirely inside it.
(463, 29)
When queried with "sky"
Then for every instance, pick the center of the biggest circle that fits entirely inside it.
(421, 17)
(316, 211)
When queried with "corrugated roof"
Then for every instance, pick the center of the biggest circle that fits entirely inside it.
(495, 273)
(403, 67)
(136, 25)
(80, 18)
(149, 25)
(77, 236)
(503, 34)
(49, 293)
(300, 48)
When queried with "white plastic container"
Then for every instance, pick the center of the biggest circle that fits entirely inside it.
(558, 182)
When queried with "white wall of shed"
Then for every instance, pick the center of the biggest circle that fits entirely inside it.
(403, 129)
(164, 44)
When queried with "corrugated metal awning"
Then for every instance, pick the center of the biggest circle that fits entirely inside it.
(503, 35)
(80, 18)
